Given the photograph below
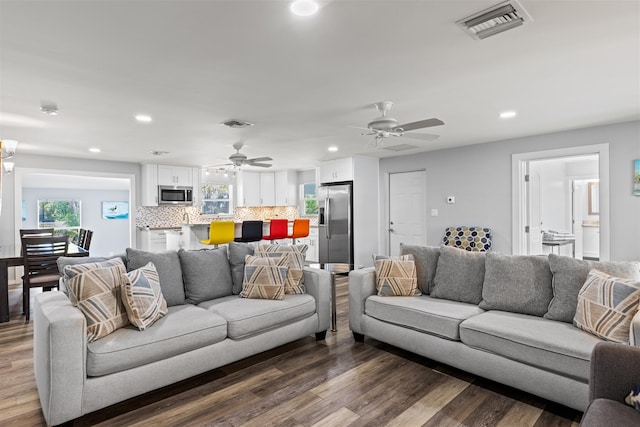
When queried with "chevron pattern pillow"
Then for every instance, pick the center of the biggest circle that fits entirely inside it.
(294, 256)
(396, 276)
(99, 299)
(142, 296)
(71, 275)
(264, 278)
(606, 305)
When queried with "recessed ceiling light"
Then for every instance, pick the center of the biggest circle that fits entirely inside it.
(333, 148)
(304, 7)
(144, 118)
(508, 114)
(94, 150)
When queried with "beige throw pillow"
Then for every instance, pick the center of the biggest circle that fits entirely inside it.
(142, 297)
(396, 276)
(294, 256)
(264, 278)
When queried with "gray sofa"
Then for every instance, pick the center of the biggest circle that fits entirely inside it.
(75, 377)
(515, 327)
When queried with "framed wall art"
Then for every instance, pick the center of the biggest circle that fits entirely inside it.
(115, 210)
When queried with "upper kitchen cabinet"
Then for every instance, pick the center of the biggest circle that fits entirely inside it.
(267, 189)
(249, 189)
(286, 188)
(154, 175)
(180, 176)
(336, 170)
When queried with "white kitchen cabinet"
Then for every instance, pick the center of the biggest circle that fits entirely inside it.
(250, 189)
(196, 174)
(286, 188)
(152, 240)
(149, 195)
(591, 242)
(312, 242)
(267, 189)
(181, 176)
(336, 170)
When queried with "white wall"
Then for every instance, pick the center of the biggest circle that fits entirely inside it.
(480, 178)
(110, 236)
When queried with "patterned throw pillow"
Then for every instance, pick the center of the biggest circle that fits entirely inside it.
(264, 277)
(294, 256)
(98, 293)
(142, 297)
(71, 274)
(396, 276)
(606, 305)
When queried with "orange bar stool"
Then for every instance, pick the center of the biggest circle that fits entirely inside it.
(278, 229)
(300, 229)
(220, 232)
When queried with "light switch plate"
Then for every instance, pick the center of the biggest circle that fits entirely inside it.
(434, 212)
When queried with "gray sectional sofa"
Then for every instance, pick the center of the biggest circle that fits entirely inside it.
(505, 318)
(207, 326)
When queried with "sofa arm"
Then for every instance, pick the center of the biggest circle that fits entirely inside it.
(362, 284)
(615, 370)
(634, 330)
(318, 284)
(59, 356)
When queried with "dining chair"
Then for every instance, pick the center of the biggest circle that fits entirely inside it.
(278, 229)
(300, 229)
(86, 243)
(220, 232)
(40, 255)
(251, 232)
(36, 232)
(82, 235)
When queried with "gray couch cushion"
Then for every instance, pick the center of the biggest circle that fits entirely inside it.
(237, 254)
(554, 346)
(184, 328)
(206, 274)
(426, 259)
(168, 266)
(431, 315)
(459, 275)
(570, 274)
(248, 317)
(518, 283)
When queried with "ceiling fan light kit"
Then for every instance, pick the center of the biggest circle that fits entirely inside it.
(239, 159)
(494, 20)
(236, 124)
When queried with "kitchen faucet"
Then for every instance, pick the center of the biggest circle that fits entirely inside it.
(185, 217)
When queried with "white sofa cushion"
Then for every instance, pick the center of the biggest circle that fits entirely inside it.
(248, 317)
(184, 328)
(431, 315)
(554, 346)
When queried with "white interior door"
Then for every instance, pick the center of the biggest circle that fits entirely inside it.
(578, 205)
(534, 236)
(407, 209)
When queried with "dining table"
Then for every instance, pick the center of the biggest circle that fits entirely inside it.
(10, 257)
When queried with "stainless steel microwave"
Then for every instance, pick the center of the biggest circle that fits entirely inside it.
(175, 196)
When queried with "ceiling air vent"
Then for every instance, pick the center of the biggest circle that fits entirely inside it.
(489, 22)
(234, 123)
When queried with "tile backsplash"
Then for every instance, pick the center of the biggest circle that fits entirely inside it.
(174, 216)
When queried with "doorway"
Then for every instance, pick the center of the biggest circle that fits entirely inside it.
(407, 209)
(560, 202)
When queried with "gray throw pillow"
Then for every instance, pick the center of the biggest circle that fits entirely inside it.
(426, 259)
(168, 267)
(569, 275)
(517, 283)
(237, 254)
(206, 274)
(459, 275)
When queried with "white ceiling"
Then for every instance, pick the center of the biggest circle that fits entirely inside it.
(302, 81)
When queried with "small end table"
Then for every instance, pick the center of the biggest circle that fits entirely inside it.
(336, 269)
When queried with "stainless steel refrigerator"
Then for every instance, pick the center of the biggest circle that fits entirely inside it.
(335, 223)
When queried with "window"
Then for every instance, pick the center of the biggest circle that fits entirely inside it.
(309, 199)
(63, 215)
(217, 199)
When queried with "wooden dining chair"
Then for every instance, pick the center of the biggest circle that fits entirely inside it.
(36, 232)
(40, 258)
(86, 243)
(82, 235)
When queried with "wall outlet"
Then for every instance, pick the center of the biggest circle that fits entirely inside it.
(451, 199)
(434, 212)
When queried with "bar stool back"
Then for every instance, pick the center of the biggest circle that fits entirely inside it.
(278, 229)
(300, 229)
(251, 232)
(220, 232)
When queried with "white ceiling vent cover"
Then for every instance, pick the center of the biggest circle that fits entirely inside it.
(489, 22)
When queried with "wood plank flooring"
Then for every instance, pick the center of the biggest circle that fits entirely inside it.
(336, 382)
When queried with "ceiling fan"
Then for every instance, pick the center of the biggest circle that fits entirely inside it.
(383, 127)
(238, 159)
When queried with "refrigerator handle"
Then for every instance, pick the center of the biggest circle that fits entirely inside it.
(327, 221)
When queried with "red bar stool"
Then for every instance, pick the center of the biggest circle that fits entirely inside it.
(300, 229)
(278, 229)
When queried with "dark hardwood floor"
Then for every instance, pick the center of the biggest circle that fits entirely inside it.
(336, 382)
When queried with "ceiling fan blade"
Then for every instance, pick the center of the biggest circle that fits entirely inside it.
(358, 127)
(260, 165)
(420, 124)
(258, 159)
(422, 136)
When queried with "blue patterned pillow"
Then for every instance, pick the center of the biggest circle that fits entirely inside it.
(142, 297)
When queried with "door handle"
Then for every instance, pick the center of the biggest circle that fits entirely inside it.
(391, 230)
(327, 207)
